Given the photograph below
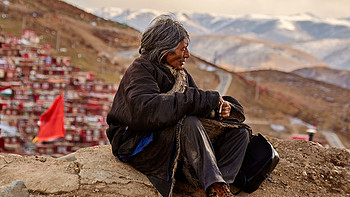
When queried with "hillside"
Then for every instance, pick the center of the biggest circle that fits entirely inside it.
(304, 169)
(337, 77)
(237, 53)
(333, 51)
(322, 104)
(269, 108)
(92, 42)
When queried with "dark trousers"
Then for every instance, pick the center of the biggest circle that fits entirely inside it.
(219, 161)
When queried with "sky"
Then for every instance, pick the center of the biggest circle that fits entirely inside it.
(321, 8)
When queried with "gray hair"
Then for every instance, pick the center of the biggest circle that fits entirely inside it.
(162, 37)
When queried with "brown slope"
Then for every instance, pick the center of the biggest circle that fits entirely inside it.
(321, 103)
(283, 95)
(326, 74)
(261, 111)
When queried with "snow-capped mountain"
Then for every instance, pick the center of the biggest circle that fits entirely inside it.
(108, 12)
(281, 29)
(136, 18)
(325, 38)
(236, 53)
(333, 76)
(334, 52)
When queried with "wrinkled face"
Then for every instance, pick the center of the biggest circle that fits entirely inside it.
(178, 58)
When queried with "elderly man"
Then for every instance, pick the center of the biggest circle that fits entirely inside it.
(154, 120)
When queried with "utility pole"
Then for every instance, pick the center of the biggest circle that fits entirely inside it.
(345, 111)
(257, 89)
(215, 57)
(23, 23)
(58, 41)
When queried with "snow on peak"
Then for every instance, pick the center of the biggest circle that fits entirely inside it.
(134, 14)
(109, 12)
(286, 24)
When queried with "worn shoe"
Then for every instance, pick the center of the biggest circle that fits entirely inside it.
(219, 190)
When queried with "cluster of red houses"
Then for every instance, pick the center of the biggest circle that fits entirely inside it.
(30, 80)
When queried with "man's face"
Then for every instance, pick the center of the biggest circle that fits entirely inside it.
(178, 58)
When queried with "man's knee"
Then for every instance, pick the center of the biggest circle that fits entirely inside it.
(241, 134)
(192, 123)
(192, 126)
(245, 133)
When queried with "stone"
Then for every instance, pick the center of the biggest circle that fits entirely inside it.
(15, 189)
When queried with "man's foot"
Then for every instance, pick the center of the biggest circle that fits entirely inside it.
(219, 190)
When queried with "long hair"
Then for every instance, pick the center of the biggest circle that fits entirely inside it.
(162, 37)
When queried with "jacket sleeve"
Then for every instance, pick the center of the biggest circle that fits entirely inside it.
(149, 109)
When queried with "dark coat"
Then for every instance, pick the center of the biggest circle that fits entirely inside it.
(141, 106)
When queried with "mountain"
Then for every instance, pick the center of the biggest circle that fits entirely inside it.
(279, 29)
(138, 18)
(325, 38)
(237, 53)
(332, 51)
(326, 74)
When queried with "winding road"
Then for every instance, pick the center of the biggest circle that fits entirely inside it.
(225, 81)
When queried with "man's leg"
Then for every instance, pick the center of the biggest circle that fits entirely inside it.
(230, 148)
(198, 151)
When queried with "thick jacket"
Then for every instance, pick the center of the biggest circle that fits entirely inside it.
(141, 107)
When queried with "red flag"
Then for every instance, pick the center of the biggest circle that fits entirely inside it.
(4, 88)
(52, 122)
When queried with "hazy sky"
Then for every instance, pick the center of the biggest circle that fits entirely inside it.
(321, 8)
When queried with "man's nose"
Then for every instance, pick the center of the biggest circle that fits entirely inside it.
(187, 54)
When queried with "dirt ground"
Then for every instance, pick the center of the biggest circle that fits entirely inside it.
(307, 169)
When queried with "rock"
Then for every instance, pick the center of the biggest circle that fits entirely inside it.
(304, 173)
(92, 171)
(46, 177)
(69, 157)
(15, 189)
(101, 170)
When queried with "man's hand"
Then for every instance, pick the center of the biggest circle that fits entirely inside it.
(224, 108)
